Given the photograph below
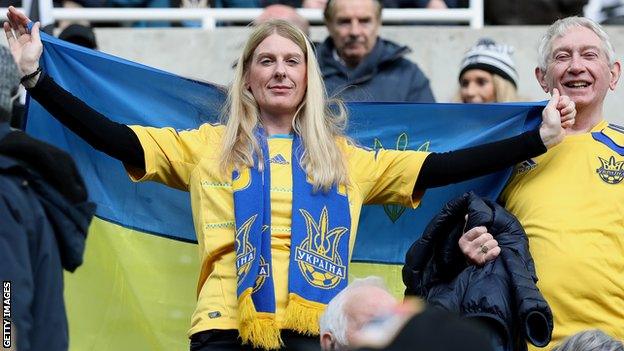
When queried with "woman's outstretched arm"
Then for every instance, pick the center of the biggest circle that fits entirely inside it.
(445, 168)
(440, 169)
(114, 139)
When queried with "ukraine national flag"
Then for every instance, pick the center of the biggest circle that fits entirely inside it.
(136, 289)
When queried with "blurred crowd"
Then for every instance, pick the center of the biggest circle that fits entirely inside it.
(496, 12)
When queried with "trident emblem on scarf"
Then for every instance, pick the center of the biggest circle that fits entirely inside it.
(317, 256)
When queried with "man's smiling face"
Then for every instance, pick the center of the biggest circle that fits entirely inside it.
(579, 67)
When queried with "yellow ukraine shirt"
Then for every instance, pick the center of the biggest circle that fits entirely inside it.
(188, 160)
(571, 204)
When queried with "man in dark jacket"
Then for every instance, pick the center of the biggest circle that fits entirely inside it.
(44, 216)
(357, 65)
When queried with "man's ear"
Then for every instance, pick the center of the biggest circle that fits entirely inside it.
(541, 79)
(616, 70)
(327, 341)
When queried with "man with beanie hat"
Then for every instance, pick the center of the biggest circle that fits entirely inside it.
(488, 74)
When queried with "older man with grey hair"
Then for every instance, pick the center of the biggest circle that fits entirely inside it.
(590, 340)
(365, 316)
(570, 200)
(358, 304)
(358, 65)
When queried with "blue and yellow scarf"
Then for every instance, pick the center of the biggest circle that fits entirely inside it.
(318, 256)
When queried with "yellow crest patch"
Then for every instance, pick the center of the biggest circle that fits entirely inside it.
(610, 171)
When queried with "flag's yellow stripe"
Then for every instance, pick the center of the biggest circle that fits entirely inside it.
(135, 291)
(391, 274)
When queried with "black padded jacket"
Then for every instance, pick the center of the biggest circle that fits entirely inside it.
(502, 294)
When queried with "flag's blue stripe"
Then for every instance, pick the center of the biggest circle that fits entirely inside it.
(143, 231)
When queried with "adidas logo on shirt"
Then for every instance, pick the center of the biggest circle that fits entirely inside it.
(279, 159)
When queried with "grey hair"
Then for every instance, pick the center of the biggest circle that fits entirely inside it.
(590, 340)
(334, 320)
(560, 27)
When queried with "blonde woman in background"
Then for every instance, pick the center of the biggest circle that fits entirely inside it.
(487, 74)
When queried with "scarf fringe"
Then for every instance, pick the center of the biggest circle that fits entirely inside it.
(303, 315)
(258, 329)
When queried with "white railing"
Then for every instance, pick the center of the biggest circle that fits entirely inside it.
(209, 16)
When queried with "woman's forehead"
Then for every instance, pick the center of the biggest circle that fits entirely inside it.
(276, 44)
(476, 72)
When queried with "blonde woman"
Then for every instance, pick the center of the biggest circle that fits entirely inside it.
(488, 74)
(276, 190)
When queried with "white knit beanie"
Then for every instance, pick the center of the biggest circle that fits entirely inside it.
(491, 57)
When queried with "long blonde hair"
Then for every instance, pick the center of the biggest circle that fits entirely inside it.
(504, 90)
(318, 125)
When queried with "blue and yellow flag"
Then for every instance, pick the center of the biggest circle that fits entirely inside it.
(136, 289)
